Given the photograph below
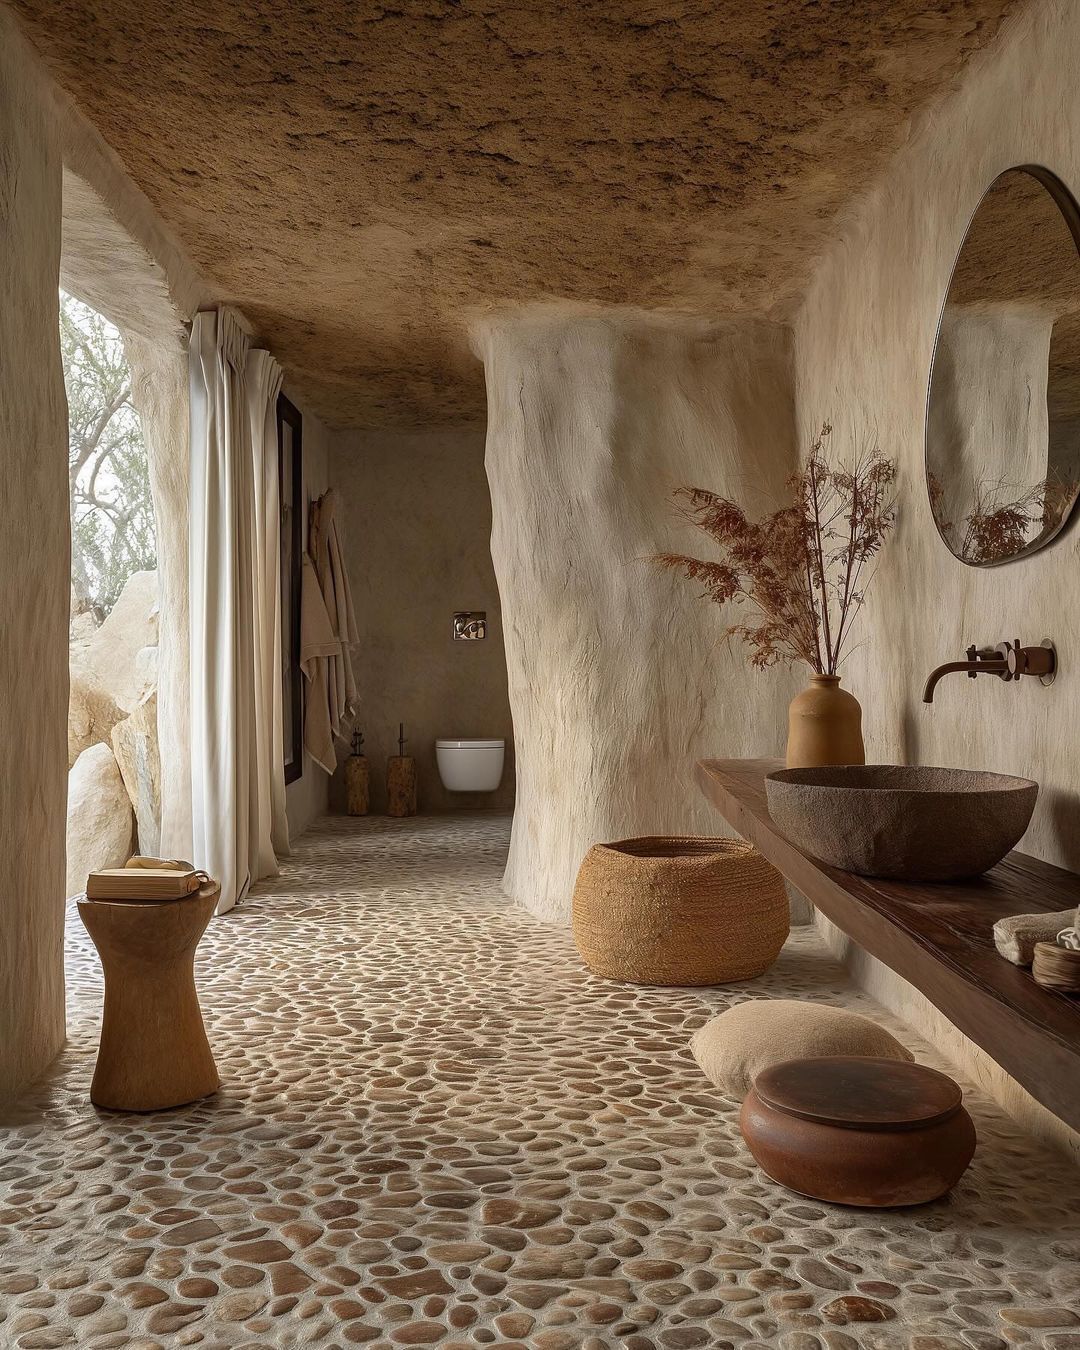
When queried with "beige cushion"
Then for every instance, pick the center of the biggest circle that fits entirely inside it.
(737, 1045)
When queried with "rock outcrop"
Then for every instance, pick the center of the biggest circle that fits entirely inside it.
(92, 714)
(135, 746)
(99, 817)
(109, 660)
(113, 699)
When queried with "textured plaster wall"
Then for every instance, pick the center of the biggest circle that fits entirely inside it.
(619, 679)
(418, 526)
(35, 564)
(306, 798)
(864, 340)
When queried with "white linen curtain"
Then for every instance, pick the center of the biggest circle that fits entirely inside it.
(237, 765)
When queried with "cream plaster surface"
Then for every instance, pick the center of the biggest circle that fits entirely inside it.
(36, 568)
(619, 678)
(417, 539)
(864, 340)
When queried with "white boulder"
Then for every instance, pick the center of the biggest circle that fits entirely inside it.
(135, 747)
(146, 671)
(99, 818)
(109, 659)
(92, 714)
(83, 626)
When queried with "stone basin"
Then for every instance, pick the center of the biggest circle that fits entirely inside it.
(907, 822)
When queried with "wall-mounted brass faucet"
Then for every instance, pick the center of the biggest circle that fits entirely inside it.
(1008, 661)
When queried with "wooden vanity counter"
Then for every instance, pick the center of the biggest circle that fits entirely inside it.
(938, 937)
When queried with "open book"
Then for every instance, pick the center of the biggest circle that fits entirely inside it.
(137, 881)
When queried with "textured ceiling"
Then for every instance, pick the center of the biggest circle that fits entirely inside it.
(362, 180)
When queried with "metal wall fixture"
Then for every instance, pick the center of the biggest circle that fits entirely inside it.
(1008, 661)
(470, 625)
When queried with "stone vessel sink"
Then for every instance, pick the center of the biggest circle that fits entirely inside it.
(911, 823)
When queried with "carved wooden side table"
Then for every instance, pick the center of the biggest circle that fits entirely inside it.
(153, 1053)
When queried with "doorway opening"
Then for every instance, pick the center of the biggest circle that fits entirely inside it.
(114, 801)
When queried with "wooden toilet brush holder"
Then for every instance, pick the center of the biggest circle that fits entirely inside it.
(357, 778)
(401, 780)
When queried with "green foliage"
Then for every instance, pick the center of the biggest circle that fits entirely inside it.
(112, 516)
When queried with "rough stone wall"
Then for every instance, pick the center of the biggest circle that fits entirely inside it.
(864, 340)
(418, 525)
(688, 156)
(36, 569)
(619, 679)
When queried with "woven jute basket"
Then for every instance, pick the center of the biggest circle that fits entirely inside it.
(679, 911)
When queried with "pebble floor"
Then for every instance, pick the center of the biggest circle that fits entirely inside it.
(436, 1128)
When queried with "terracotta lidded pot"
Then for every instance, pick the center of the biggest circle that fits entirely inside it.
(857, 1130)
(824, 726)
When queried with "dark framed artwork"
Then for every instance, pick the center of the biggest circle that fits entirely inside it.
(290, 430)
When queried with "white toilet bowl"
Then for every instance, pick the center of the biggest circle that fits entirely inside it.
(470, 766)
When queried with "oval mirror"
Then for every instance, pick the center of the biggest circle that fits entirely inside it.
(1003, 412)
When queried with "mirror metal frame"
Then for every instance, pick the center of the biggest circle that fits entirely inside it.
(1070, 210)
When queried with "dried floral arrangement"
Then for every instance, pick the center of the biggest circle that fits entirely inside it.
(804, 567)
(1004, 519)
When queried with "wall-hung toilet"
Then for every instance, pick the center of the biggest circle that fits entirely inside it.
(470, 766)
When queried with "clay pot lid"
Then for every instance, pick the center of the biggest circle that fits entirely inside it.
(859, 1092)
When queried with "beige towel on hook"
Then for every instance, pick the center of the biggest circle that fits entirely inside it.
(324, 544)
(318, 648)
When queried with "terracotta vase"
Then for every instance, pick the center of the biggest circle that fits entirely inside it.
(824, 726)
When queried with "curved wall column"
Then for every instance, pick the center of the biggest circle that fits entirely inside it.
(619, 678)
(36, 567)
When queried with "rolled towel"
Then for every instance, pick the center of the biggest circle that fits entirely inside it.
(1016, 936)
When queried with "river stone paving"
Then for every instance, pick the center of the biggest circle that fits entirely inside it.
(437, 1129)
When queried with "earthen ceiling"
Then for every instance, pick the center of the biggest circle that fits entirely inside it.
(363, 179)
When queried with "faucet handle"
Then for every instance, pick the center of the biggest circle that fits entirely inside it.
(1040, 661)
(987, 654)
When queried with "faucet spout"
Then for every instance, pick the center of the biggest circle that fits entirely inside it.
(975, 666)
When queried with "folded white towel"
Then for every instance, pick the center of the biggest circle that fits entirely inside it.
(1016, 936)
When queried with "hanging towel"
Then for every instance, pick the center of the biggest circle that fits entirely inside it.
(324, 545)
(319, 648)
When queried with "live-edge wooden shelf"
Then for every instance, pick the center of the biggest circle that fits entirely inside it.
(937, 937)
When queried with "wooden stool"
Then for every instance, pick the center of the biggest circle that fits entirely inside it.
(858, 1131)
(153, 1053)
